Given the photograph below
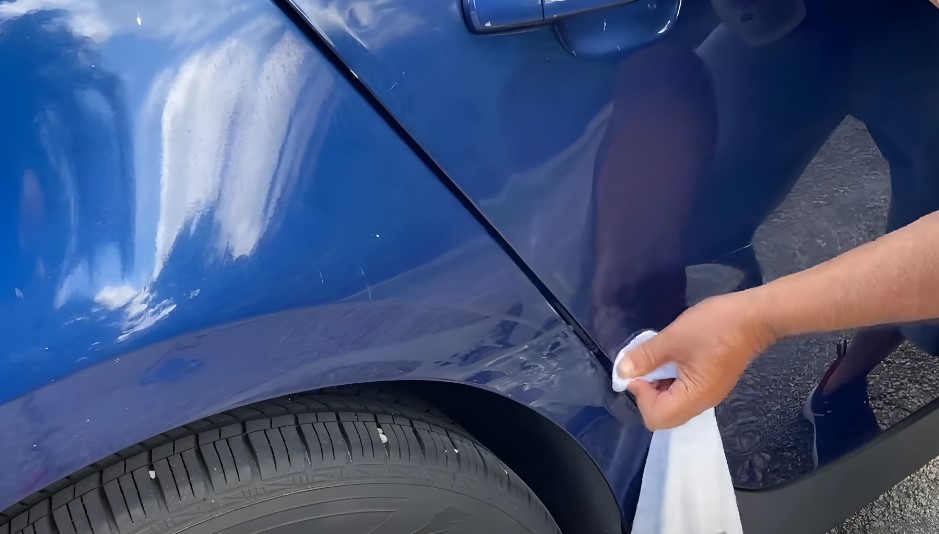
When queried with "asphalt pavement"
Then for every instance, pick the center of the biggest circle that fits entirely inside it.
(840, 202)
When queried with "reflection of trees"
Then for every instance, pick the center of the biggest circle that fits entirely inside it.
(63, 129)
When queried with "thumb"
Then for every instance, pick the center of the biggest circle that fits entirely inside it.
(641, 360)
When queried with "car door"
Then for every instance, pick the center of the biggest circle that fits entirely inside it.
(519, 120)
(638, 157)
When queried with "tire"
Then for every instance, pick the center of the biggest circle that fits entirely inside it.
(373, 462)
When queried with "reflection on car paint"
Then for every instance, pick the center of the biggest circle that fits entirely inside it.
(200, 212)
(615, 178)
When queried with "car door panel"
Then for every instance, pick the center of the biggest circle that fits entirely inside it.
(714, 157)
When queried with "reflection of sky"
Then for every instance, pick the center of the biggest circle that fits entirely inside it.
(221, 140)
(382, 20)
(168, 20)
(216, 118)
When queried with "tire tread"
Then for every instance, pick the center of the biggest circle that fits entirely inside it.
(214, 463)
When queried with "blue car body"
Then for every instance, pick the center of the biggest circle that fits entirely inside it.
(293, 242)
(207, 204)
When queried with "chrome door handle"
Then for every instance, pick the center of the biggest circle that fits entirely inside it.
(487, 16)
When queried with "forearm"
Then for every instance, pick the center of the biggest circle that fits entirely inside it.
(894, 279)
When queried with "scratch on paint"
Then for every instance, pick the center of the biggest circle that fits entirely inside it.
(397, 81)
(368, 288)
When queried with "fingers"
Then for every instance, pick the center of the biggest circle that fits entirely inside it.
(642, 360)
(662, 408)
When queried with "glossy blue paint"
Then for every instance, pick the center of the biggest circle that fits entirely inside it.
(487, 16)
(533, 132)
(200, 212)
(622, 172)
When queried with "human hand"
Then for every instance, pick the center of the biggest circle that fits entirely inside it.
(712, 343)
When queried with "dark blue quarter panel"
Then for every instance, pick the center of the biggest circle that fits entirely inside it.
(198, 211)
(744, 141)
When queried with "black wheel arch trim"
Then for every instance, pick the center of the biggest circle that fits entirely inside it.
(822, 500)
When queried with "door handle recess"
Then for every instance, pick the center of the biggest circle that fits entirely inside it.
(488, 16)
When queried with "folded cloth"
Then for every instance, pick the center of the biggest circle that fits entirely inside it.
(686, 486)
(669, 370)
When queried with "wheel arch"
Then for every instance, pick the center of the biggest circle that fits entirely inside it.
(550, 461)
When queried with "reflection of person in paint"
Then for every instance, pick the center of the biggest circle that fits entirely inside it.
(894, 280)
(641, 174)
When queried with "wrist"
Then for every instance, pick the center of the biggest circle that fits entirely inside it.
(765, 317)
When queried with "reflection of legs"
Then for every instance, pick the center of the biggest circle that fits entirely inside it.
(895, 73)
(865, 352)
(894, 69)
(664, 200)
(658, 144)
(777, 105)
(843, 420)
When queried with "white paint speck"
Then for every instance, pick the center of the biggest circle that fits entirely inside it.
(117, 360)
(382, 436)
(604, 24)
(18, 293)
(456, 450)
(488, 24)
(34, 445)
(87, 420)
(152, 474)
(377, 235)
(139, 22)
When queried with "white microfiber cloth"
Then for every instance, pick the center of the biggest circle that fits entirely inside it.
(686, 485)
(669, 370)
